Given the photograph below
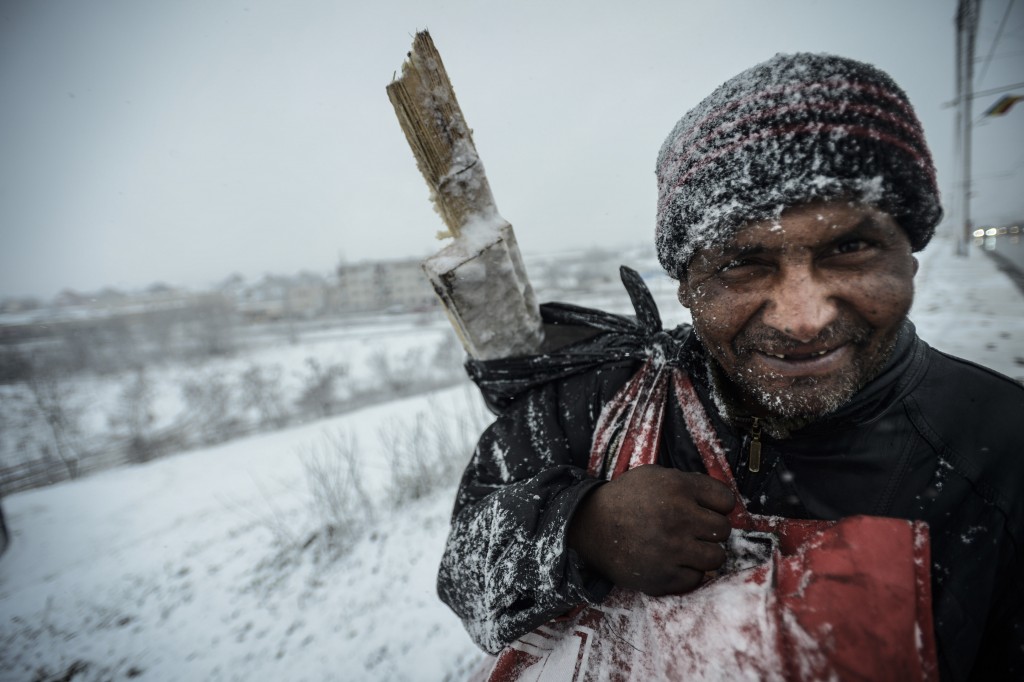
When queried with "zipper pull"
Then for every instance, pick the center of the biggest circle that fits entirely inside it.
(754, 460)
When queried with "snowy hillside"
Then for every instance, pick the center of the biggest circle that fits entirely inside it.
(216, 565)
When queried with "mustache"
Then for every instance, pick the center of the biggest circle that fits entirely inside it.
(760, 337)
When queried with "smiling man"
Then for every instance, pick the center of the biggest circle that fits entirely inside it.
(800, 312)
(791, 202)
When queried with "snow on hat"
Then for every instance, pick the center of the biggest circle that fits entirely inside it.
(792, 130)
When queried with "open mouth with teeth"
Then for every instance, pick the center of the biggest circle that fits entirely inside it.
(799, 356)
(816, 362)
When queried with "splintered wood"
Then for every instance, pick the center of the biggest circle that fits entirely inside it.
(479, 276)
(441, 141)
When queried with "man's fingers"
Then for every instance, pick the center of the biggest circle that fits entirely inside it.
(653, 529)
(705, 556)
(713, 494)
(711, 526)
(683, 580)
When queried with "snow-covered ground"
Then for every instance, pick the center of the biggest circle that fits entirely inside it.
(205, 566)
(215, 564)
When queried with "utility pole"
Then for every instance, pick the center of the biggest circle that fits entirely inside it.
(966, 31)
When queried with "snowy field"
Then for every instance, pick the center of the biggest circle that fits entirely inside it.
(268, 380)
(234, 562)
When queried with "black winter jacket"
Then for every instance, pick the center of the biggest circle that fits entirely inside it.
(933, 438)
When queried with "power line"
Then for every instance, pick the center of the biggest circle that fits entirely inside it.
(983, 93)
(1006, 55)
(999, 34)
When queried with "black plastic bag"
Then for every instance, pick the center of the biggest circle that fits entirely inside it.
(579, 339)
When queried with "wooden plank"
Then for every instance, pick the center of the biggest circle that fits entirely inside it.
(479, 277)
(440, 138)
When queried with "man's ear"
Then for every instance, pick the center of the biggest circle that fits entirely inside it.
(917, 264)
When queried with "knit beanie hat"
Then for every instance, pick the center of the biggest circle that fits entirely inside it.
(795, 129)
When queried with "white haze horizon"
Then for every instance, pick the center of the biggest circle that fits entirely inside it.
(184, 142)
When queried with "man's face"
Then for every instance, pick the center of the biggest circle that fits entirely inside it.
(801, 312)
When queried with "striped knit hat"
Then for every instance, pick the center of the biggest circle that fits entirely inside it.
(795, 129)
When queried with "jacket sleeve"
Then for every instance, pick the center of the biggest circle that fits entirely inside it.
(506, 569)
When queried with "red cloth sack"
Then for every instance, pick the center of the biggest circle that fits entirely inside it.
(796, 600)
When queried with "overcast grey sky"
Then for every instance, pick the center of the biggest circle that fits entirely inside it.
(184, 141)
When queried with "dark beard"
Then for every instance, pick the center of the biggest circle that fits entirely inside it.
(805, 399)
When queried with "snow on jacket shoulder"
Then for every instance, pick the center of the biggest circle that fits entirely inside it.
(506, 569)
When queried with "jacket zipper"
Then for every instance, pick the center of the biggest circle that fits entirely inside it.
(754, 458)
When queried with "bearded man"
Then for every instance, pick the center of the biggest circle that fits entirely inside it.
(791, 202)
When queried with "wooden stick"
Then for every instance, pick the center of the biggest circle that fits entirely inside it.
(442, 143)
(479, 276)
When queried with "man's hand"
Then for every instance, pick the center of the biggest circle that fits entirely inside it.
(653, 529)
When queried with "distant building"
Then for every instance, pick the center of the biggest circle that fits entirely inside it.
(304, 296)
(384, 285)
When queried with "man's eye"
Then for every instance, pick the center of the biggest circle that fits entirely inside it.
(732, 265)
(852, 246)
(740, 269)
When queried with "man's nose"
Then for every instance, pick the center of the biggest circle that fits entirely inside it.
(800, 306)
